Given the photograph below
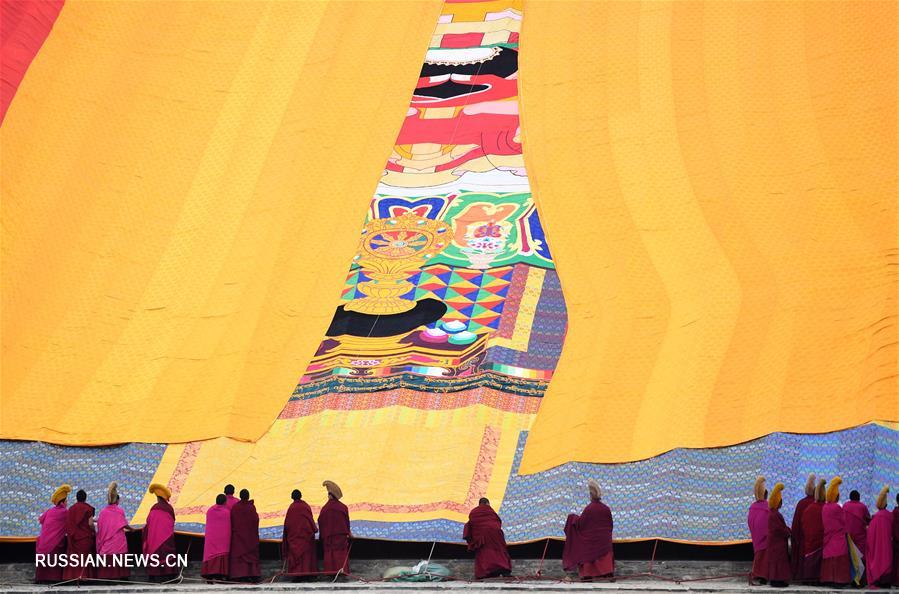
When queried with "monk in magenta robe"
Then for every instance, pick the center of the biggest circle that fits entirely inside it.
(159, 536)
(230, 499)
(298, 538)
(835, 568)
(244, 555)
(796, 527)
(81, 537)
(879, 554)
(857, 519)
(111, 540)
(52, 540)
(217, 541)
(812, 537)
(758, 530)
(779, 569)
(588, 539)
(484, 534)
(334, 531)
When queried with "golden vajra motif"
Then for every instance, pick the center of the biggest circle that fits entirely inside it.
(391, 249)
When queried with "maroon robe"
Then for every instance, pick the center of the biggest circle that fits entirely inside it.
(163, 550)
(81, 540)
(796, 537)
(334, 531)
(298, 540)
(244, 554)
(778, 555)
(484, 534)
(812, 542)
(896, 545)
(879, 549)
(588, 538)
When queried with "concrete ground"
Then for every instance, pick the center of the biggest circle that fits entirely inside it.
(667, 576)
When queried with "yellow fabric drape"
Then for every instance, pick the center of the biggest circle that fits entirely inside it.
(718, 185)
(183, 188)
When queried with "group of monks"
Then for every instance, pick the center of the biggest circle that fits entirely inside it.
(824, 539)
(588, 540)
(231, 544)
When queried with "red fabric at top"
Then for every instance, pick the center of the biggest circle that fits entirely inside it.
(24, 25)
(588, 536)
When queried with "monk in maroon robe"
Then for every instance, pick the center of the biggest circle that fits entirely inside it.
(857, 519)
(81, 539)
(217, 541)
(244, 555)
(51, 543)
(588, 539)
(334, 531)
(812, 538)
(779, 570)
(298, 539)
(796, 527)
(484, 534)
(896, 542)
(158, 536)
(879, 551)
(757, 519)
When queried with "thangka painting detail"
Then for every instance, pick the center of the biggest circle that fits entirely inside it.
(453, 285)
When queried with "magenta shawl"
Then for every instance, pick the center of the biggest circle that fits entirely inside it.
(111, 531)
(835, 544)
(230, 501)
(160, 526)
(758, 525)
(857, 518)
(53, 528)
(879, 555)
(218, 532)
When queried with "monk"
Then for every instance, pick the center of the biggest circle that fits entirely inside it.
(484, 534)
(813, 537)
(779, 570)
(81, 537)
(796, 527)
(588, 539)
(244, 554)
(159, 536)
(52, 540)
(217, 543)
(111, 540)
(298, 539)
(857, 519)
(758, 530)
(334, 531)
(230, 499)
(835, 569)
(879, 552)
(896, 542)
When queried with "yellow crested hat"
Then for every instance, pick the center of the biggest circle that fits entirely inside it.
(776, 498)
(759, 489)
(882, 497)
(160, 491)
(333, 489)
(60, 493)
(833, 489)
(820, 490)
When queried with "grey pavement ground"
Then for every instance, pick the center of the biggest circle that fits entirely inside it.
(669, 576)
